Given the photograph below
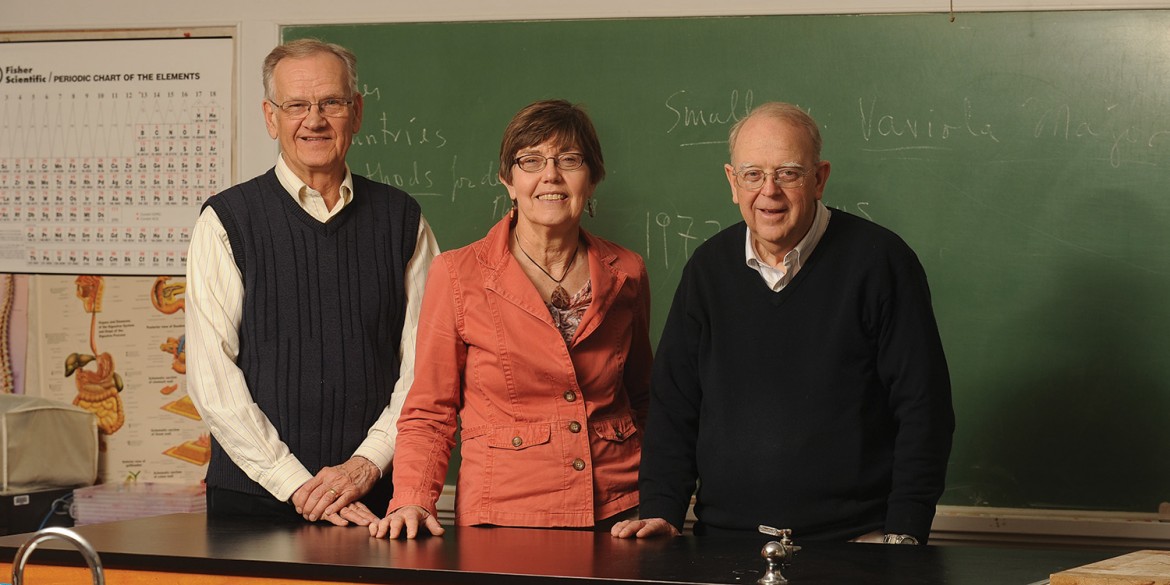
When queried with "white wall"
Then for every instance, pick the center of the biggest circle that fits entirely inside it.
(257, 26)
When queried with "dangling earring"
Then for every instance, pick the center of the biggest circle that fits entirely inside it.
(512, 212)
(591, 207)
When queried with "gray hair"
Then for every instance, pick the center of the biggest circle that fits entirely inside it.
(784, 112)
(301, 48)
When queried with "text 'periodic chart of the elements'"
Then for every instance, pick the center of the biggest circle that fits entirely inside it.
(107, 151)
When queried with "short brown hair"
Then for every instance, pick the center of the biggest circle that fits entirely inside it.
(541, 121)
(785, 112)
(301, 48)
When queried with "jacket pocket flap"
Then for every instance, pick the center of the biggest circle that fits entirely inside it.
(517, 437)
(615, 429)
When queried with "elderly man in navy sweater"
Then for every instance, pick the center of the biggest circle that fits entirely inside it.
(800, 380)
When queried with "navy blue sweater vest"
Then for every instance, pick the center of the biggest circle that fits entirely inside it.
(323, 313)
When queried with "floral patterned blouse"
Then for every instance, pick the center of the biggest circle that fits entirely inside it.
(568, 319)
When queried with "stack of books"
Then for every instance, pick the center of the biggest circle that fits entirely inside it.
(125, 501)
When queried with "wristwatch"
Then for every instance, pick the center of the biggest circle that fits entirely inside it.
(899, 539)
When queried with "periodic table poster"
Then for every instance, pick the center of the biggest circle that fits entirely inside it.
(107, 150)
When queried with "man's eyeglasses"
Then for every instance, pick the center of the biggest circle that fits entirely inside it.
(331, 107)
(790, 177)
(566, 161)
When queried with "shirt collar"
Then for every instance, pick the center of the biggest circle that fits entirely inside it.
(308, 198)
(779, 277)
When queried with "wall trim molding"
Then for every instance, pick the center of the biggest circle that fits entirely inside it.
(1077, 528)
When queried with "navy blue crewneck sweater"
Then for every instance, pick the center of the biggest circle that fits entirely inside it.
(824, 407)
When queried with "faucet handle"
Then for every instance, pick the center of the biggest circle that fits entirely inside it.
(56, 532)
(785, 535)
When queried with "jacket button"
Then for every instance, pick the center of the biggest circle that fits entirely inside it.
(574, 427)
(620, 435)
(517, 441)
(570, 396)
(578, 464)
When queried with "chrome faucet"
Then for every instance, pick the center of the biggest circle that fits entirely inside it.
(777, 554)
(87, 551)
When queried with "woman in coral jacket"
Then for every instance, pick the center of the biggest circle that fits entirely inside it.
(536, 340)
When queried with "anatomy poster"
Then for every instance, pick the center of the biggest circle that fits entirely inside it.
(107, 150)
(114, 345)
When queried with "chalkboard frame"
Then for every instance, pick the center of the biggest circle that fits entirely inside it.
(1022, 155)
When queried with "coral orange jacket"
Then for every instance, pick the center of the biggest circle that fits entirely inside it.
(550, 433)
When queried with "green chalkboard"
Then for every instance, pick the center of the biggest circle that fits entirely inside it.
(1024, 156)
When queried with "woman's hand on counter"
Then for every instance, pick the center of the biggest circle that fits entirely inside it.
(406, 521)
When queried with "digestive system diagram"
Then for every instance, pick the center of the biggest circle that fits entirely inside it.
(166, 298)
(98, 390)
(164, 295)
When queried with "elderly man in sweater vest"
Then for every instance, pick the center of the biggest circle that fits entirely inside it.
(303, 292)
